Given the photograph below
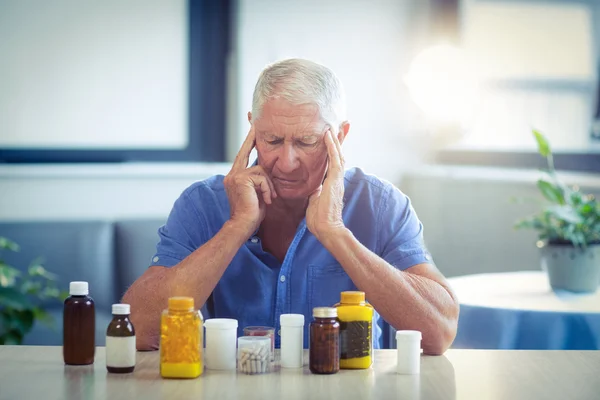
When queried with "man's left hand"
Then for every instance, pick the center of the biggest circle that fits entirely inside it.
(324, 212)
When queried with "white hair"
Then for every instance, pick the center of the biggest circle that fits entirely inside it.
(301, 81)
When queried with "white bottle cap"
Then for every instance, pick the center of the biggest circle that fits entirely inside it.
(221, 323)
(121, 309)
(291, 320)
(78, 289)
(408, 335)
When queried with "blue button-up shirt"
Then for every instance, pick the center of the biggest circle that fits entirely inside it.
(256, 288)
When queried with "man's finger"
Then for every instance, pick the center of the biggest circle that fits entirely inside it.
(258, 170)
(314, 196)
(262, 186)
(338, 146)
(243, 156)
(335, 158)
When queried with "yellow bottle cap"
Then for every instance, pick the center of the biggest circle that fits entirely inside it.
(352, 297)
(181, 303)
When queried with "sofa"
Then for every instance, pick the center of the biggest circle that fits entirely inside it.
(110, 255)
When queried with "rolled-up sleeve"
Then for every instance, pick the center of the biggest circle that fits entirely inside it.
(400, 232)
(184, 231)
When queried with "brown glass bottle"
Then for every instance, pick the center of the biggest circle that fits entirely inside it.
(324, 346)
(120, 341)
(79, 326)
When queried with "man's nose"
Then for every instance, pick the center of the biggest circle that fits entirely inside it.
(288, 159)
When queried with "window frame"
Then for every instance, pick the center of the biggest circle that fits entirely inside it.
(586, 160)
(209, 44)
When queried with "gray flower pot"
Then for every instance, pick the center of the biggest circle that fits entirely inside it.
(570, 268)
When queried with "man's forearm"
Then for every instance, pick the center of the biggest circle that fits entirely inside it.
(195, 276)
(406, 300)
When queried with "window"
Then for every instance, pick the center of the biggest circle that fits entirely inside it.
(539, 62)
(112, 81)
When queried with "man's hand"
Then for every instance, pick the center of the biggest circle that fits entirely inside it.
(324, 213)
(249, 190)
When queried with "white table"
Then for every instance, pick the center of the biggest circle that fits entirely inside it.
(30, 372)
(519, 310)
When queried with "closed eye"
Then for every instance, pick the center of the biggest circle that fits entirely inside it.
(274, 142)
(307, 144)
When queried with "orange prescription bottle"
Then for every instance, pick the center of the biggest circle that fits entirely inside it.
(181, 339)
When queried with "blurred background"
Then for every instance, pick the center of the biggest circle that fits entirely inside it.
(110, 109)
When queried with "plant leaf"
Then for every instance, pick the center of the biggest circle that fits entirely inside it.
(551, 192)
(31, 287)
(51, 292)
(8, 244)
(8, 275)
(43, 317)
(587, 209)
(23, 321)
(566, 213)
(11, 338)
(36, 269)
(543, 145)
(12, 298)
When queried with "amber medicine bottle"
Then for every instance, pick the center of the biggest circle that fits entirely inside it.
(79, 326)
(120, 341)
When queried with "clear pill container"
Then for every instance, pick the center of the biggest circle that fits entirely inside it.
(254, 355)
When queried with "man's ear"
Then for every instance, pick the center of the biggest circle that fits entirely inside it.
(250, 116)
(343, 132)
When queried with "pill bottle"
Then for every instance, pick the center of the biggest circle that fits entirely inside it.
(221, 337)
(120, 341)
(181, 339)
(79, 326)
(254, 355)
(292, 340)
(268, 331)
(356, 330)
(324, 346)
(408, 345)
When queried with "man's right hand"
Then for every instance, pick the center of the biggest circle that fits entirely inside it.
(249, 190)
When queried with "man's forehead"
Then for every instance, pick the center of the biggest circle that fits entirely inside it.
(316, 130)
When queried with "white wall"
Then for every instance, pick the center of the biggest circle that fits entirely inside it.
(468, 215)
(79, 192)
(367, 43)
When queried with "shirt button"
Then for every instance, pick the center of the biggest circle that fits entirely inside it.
(155, 259)
(428, 257)
(279, 332)
(254, 239)
(282, 279)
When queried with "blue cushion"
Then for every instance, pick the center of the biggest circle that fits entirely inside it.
(75, 251)
(135, 245)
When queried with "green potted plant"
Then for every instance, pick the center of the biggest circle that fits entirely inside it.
(22, 297)
(568, 227)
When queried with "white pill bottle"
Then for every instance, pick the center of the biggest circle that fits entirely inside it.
(408, 345)
(292, 340)
(221, 339)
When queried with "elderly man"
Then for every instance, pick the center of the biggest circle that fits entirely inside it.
(294, 229)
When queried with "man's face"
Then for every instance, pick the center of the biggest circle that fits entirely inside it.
(291, 148)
